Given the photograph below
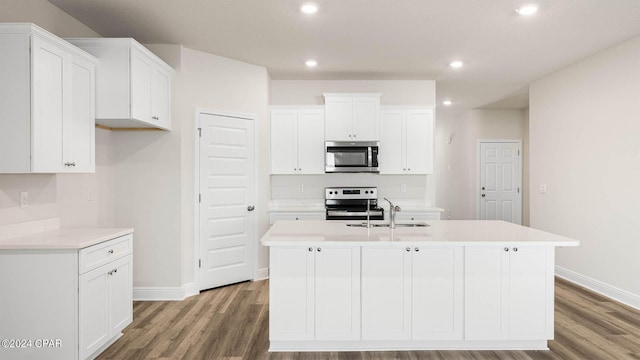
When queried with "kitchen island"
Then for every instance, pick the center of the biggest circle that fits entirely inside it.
(451, 285)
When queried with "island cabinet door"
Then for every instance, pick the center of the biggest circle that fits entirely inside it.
(486, 281)
(531, 293)
(291, 293)
(509, 293)
(337, 300)
(437, 293)
(386, 293)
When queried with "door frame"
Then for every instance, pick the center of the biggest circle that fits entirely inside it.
(196, 203)
(479, 171)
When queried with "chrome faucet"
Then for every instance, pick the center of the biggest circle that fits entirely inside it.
(392, 214)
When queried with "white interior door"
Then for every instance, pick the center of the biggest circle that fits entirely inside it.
(227, 195)
(500, 181)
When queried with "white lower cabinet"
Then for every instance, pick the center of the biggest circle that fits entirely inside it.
(509, 293)
(79, 297)
(300, 216)
(314, 293)
(105, 304)
(412, 293)
(417, 216)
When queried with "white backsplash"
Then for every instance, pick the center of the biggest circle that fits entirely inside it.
(414, 187)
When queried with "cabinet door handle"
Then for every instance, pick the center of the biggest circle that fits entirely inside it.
(506, 249)
(319, 249)
(251, 208)
(408, 249)
(310, 249)
(515, 249)
(417, 249)
(155, 118)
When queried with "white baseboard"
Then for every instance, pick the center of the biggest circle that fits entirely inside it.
(160, 293)
(262, 274)
(600, 287)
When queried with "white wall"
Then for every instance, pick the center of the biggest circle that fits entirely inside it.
(394, 92)
(62, 195)
(457, 162)
(155, 170)
(585, 146)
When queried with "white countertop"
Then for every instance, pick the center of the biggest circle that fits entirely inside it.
(450, 232)
(62, 239)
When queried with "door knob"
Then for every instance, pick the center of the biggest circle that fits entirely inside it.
(251, 208)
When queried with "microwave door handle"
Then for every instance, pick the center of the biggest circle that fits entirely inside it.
(370, 153)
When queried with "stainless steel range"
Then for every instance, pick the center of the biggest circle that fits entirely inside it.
(344, 203)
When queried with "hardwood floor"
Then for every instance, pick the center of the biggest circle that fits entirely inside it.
(232, 323)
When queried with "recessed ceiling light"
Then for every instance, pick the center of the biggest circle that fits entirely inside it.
(456, 64)
(309, 8)
(527, 10)
(447, 102)
(311, 63)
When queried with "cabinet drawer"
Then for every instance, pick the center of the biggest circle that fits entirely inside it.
(103, 253)
(417, 216)
(273, 217)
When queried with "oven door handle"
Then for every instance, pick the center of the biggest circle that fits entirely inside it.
(352, 213)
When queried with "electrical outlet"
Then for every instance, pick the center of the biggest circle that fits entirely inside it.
(24, 199)
(403, 188)
(543, 188)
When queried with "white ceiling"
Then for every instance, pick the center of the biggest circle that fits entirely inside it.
(382, 39)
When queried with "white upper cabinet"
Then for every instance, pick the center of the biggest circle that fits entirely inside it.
(47, 92)
(297, 141)
(133, 84)
(406, 142)
(351, 116)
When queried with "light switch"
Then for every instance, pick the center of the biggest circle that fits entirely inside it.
(543, 188)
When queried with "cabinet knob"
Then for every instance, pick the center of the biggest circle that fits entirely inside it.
(297, 219)
(310, 249)
(110, 251)
(405, 169)
(409, 169)
(515, 249)
(506, 249)
(408, 249)
(155, 118)
(251, 208)
(417, 249)
(354, 135)
(483, 195)
(319, 249)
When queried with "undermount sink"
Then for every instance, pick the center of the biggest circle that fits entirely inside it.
(387, 225)
(413, 225)
(365, 225)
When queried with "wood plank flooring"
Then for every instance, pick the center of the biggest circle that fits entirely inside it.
(232, 323)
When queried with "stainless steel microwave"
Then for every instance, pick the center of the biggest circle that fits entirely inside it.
(348, 157)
